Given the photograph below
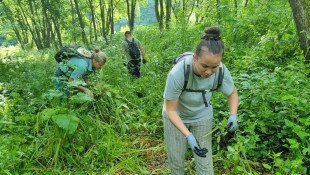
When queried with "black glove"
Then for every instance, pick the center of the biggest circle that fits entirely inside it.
(201, 152)
(193, 143)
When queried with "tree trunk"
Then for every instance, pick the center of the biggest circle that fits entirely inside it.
(9, 15)
(90, 33)
(162, 13)
(191, 11)
(91, 6)
(103, 20)
(46, 22)
(236, 7)
(34, 39)
(57, 30)
(168, 13)
(22, 26)
(159, 11)
(73, 17)
(82, 24)
(107, 26)
(131, 7)
(35, 24)
(302, 21)
(246, 3)
(196, 14)
(112, 17)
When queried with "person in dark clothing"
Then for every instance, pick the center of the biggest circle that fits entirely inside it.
(132, 54)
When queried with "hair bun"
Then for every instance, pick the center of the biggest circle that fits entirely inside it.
(212, 33)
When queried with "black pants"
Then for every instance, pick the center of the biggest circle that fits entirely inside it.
(133, 67)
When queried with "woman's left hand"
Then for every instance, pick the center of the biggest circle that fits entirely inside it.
(232, 123)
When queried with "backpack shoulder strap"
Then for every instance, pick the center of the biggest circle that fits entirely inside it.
(187, 71)
(127, 41)
(219, 76)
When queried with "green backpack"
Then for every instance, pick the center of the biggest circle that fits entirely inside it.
(67, 52)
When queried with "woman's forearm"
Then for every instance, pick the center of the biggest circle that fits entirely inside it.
(233, 102)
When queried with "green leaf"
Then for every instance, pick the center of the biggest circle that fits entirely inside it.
(230, 149)
(109, 94)
(69, 122)
(293, 143)
(305, 121)
(81, 98)
(306, 151)
(287, 97)
(277, 154)
(289, 123)
(48, 113)
(268, 167)
(124, 105)
(300, 131)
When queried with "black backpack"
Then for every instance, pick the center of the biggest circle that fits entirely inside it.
(67, 52)
(219, 75)
(133, 49)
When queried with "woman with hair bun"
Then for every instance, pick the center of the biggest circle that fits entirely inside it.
(187, 111)
(77, 69)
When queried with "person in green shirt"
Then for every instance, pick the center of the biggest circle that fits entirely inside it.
(188, 113)
(77, 69)
(132, 54)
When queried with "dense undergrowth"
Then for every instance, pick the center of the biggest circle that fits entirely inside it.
(120, 132)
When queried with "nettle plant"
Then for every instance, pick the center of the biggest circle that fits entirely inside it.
(274, 122)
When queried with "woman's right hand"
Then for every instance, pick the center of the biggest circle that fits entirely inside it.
(193, 143)
(89, 92)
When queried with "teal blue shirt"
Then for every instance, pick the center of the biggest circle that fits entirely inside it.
(76, 68)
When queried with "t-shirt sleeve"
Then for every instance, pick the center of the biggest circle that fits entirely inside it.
(173, 87)
(228, 83)
(124, 45)
(138, 42)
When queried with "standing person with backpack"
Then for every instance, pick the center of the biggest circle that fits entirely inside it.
(133, 54)
(78, 67)
(187, 111)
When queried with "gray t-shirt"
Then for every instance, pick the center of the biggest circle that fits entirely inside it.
(191, 106)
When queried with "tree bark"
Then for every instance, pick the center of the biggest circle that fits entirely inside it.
(236, 7)
(57, 30)
(168, 13)
(108, 23)
(29, 27)
(91, 6)
(72, 16)
(35, 24)
(131, 7)
(302, 21)
(159, 11)
(246, 3)
(82, 24)
(112, 17)
(191, 11)
(46, 25)
(103, 20)
(9, 15)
